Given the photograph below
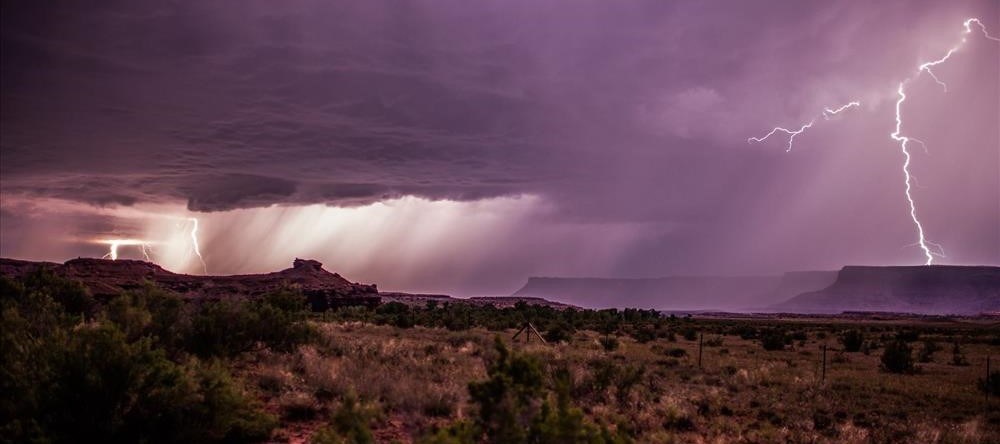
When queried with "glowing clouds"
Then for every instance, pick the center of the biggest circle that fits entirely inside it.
(484, 246)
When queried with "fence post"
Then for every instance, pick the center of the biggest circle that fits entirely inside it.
(823, 377)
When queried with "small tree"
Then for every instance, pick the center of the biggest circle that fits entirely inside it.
(559, 332)
(897, 357)
(957, 356)
(773, 340)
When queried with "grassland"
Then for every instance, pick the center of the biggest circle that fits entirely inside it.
(655, 391)
(149, 366)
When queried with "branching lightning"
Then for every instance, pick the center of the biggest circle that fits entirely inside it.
(930, 249)
(113, 245)
(827, 112)
(925, 245)
(146, 246)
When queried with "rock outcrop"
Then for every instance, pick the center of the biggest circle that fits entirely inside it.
(106, 278)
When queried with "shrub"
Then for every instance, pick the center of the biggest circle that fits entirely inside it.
(714, 342)
(111, 380)
(350, 423)
(676, 352)
(773, 340)
(564, 423)
(559, 332)
(514, 406)
(908, 335)
(644, 334)
(608, 343)
(926, 353)
(690, 334)
(990, 385)
(504, 399)
(628, 378)
(957, 356)
(852, 340)
(897, 357)
(228, 328)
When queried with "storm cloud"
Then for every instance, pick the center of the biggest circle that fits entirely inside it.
(626, 114)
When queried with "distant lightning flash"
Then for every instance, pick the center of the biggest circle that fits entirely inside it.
(827, 112)
(930, 249)
(113, 245)
(791, 134)
(194, 243)
(145, 245)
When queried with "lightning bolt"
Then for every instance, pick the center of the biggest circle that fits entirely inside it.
(194, 243)
(827, 112)
(113, 245)
(930, 249)
(146, 246)
(897, 135)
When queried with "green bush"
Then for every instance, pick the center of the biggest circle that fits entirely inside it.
(350, 423)
(852, 340)
(897, 357)
(72, 372)
(927, 352)
(505, 399)
(990, 385)
(560, 331)
(644, 334)
(690, 334)
(232, 327)
(773, 340)
(514, 405)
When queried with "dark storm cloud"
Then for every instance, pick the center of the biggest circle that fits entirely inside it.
(613, 111)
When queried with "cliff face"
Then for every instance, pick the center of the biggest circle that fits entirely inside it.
(795, 283)
(106, 278)
(935, 289)
(668, 293)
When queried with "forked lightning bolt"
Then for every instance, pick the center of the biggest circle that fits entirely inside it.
(897, 135)
(827, 112)
(925, 245)
(113, 245)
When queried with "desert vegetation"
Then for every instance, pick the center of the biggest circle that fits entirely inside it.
(147, 366)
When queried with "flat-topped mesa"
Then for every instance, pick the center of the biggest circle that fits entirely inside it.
(107, 278)
(924, 289)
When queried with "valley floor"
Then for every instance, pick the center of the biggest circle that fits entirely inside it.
(415, 380)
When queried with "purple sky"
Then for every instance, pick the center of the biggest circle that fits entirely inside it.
(460, 147)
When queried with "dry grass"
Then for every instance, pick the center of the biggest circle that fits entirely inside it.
(419, 376)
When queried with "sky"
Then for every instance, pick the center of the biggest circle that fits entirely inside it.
(460, 147)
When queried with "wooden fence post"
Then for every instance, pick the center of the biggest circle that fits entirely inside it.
(823, 377)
